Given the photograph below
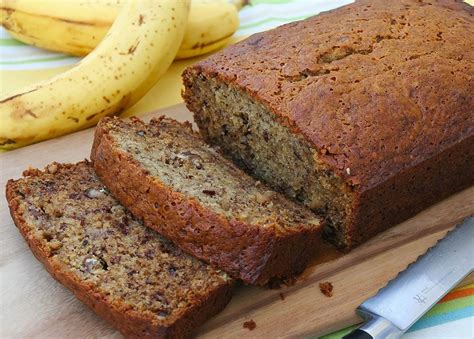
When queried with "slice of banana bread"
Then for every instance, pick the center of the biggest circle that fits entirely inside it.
(166, 175)
(364, 113)
(128, 274)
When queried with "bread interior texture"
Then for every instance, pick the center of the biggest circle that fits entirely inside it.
(249, 134)
(99, 243)
(181, 160)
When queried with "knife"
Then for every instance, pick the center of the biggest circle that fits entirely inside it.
(397, 306)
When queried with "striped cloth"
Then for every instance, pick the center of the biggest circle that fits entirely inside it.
(15, 56)
(452, 317)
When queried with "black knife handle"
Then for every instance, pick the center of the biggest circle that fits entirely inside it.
(358, 334)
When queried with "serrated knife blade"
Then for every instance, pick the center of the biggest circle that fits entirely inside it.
(398, 305)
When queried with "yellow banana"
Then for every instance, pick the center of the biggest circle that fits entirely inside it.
(77, 26)
(137, 50)
(210, 26)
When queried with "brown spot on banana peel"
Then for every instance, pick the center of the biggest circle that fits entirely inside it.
(7, 142)
(8, 11)
(19, 111)
(133, 48)
(89, 117)
(141, 20)
(202, 45)
(130, 51)
(30, 113)
(123, 104)
(119, 108)
(16, 96)
(8, 23)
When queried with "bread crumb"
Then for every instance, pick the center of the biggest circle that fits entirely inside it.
(263, 198)
(225, 202)
(52, 168)
(326, 288)
(244, 217)
(55, 245)
(250, 325)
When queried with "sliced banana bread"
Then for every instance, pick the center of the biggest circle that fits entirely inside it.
(165, 174)
(364, 113)
(128, 274)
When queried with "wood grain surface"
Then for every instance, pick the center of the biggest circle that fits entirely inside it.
(32, 304)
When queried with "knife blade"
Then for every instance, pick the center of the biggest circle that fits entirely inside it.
(397, 306)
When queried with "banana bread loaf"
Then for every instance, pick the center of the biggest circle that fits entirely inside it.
(364, 113)
(128, 274)
(165, 174)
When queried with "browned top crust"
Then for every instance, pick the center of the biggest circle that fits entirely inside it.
(376, 86)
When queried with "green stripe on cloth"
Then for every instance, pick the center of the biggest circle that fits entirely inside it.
(451, 306)
(273, 19)
(338, 334)
(11, 42)
(271, 2)
(443, 318)
(53, 58)
(441, 313)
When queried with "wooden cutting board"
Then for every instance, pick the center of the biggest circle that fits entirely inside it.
(32, 304)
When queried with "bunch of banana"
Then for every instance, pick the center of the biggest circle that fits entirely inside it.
(138, 49)
(77, 26)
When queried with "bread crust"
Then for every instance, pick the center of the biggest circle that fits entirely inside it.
(131, 323)
(395, 123)
(253, 254)
(313, 113)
